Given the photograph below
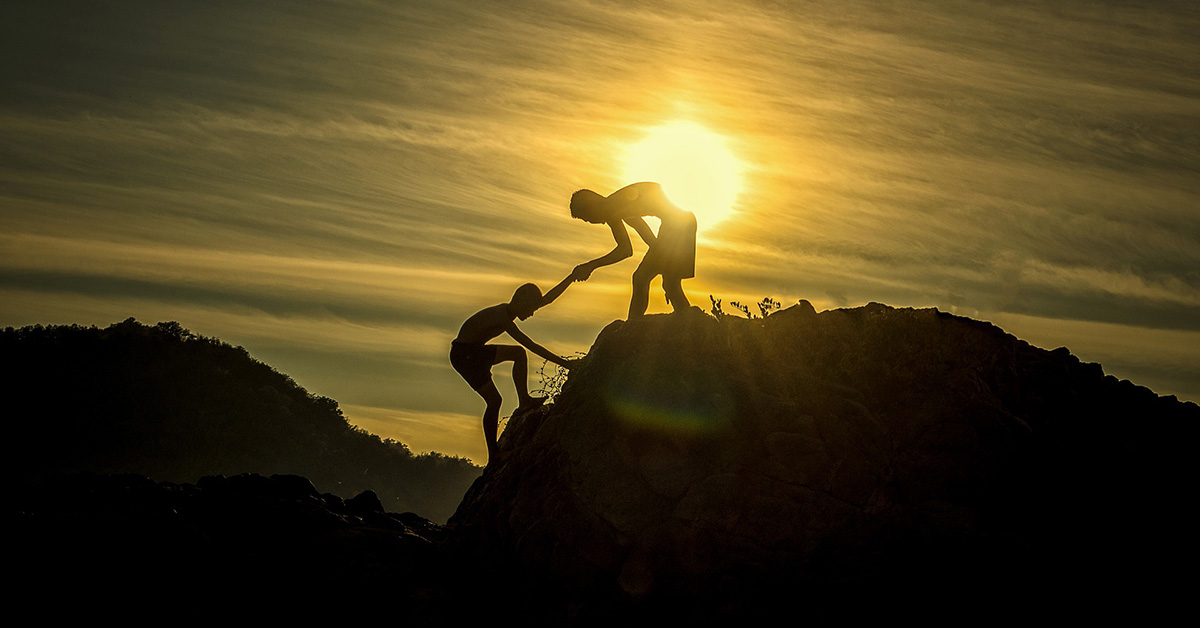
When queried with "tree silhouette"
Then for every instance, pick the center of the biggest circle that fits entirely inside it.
(160, 401)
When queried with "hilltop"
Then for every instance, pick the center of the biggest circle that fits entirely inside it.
(715, 466)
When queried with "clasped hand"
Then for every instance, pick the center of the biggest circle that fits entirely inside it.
(582, 272)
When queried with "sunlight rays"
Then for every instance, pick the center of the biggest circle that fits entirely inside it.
(696, 169)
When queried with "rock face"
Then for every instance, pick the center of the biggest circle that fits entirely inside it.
(714, 464)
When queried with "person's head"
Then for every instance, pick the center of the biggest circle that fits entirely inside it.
(588, 206)
(526, 300)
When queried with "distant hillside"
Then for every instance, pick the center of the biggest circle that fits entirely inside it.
(162, 402)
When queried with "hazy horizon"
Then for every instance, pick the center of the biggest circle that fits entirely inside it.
(337, 186)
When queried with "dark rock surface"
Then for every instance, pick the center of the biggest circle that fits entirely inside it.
(716, 466)
(245, 530)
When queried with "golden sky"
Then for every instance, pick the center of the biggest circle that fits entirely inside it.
(336, 186)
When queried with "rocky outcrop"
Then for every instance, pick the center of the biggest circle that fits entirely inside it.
(716, 465)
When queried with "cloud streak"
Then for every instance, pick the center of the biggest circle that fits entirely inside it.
(352, 179)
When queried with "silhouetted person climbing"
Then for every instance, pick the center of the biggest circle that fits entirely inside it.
(672, 252)
(473, 358)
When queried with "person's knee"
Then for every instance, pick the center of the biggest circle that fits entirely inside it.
(492, 398)
(518, 357)
(509, 353)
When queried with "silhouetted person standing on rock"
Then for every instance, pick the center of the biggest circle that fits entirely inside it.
(473, 358)
(672, 252)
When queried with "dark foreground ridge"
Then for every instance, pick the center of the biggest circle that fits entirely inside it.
(711, 469)
(87, 530)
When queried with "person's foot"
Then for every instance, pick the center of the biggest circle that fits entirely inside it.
(530, 403)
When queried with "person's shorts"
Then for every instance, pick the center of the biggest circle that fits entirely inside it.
(673, 254)
(473, 362)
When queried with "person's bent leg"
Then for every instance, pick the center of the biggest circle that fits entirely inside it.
(641, 290)
(491, 417)
(520, 368)
(520, 375)
(675, 295)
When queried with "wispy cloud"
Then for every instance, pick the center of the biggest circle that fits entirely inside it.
(343, 183)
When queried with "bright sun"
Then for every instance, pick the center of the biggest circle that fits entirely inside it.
(696, 170)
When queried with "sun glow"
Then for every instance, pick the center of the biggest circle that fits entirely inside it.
(697, 171)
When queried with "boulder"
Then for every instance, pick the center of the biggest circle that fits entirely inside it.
(713, 465)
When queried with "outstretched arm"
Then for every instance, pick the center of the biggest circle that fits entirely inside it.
(526, 342)
(623, 250)
(550, 296)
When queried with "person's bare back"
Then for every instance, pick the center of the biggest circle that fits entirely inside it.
(486, 324)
